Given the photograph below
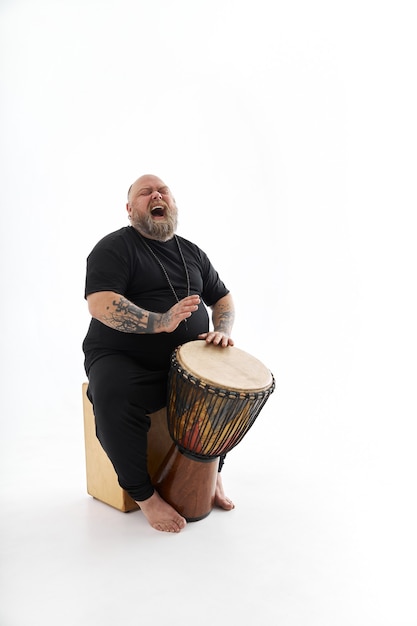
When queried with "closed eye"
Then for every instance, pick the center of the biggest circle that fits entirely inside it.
(146, 191)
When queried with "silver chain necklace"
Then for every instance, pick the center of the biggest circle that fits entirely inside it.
(161, 265)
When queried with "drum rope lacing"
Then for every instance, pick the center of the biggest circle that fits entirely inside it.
(207, 421)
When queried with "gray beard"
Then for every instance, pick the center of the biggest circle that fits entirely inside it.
(161, 231)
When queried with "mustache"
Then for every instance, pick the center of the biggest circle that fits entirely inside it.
(153, 203)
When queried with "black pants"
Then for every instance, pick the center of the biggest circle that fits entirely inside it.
(123, 395)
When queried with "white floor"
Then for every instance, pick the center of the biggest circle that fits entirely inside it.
(323, 532)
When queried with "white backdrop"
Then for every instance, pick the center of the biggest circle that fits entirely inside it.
(287, 132)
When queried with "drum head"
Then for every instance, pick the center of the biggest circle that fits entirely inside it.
(227, 368)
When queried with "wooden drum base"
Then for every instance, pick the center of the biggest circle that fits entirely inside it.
(187, 485)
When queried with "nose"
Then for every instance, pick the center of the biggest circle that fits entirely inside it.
(156, 195)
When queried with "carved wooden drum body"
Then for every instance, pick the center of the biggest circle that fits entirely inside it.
(214, 396)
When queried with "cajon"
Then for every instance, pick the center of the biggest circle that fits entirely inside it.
(102, 481)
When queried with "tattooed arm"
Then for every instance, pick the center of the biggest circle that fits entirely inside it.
(223, 318)
(118, 313)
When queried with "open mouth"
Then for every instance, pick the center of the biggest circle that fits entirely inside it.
(158, 211)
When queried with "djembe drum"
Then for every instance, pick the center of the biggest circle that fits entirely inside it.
(214, 396)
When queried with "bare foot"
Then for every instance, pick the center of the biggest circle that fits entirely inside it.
(161, 515)
(220, 498)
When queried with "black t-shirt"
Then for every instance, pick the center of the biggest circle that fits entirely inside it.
(121, 262)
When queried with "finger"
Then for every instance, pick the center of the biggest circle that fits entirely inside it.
(224, 340)
(183, 310)
(191, 300)
(213, 338)
(207, 336)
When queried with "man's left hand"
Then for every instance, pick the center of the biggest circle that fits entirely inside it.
(218, 338)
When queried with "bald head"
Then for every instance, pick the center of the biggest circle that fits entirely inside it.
(147, 180)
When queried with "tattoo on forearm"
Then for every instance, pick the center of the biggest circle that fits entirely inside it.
(224, 321)
(129, 318)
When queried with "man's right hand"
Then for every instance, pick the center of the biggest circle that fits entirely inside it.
(178, 313)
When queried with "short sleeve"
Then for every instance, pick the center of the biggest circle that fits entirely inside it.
(108, 267)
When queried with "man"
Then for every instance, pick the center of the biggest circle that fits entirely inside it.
(146, 290)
